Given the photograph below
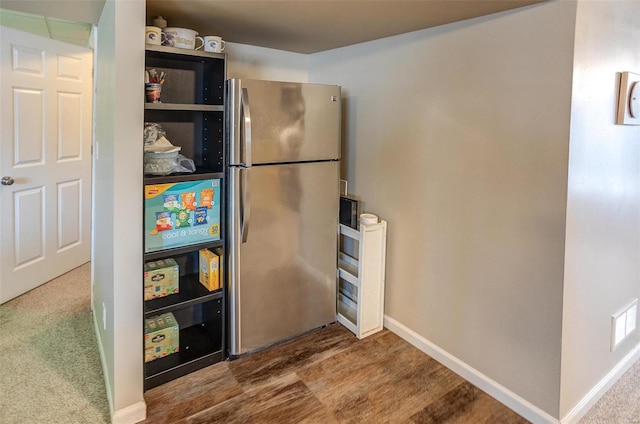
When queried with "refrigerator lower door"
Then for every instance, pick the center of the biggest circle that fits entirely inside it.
(282, 279)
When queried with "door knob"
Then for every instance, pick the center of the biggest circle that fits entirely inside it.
(6, 181)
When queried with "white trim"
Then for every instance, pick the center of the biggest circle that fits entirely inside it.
(590, 399)
(475, 377)
(131, 414)
(102, 358)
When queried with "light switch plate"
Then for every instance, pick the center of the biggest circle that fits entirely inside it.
(629, 99)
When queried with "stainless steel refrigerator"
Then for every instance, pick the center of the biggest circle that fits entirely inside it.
(283, 172)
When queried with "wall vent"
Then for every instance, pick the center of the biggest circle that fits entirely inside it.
(623, 323)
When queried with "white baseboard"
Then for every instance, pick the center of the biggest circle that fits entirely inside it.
(105, 375)
(601, 388)
(129, 415)
(475, 377)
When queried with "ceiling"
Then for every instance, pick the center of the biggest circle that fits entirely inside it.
(59, 29)
(310, 26)
(84, 11)
(303, 26)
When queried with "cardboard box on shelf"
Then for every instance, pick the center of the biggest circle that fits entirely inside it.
(161, 336)
(181, 214)
(209, 265)
(161, 278)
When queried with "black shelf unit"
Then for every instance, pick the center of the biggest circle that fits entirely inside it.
(180, 106)
(192, 114)
(200, 346)
(191, 293)
(177, 251)
(199, 174)
(192, 103)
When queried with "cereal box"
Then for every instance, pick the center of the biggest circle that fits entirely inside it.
(209, 264)
(161, 278)
(161, 336)
(181, 214)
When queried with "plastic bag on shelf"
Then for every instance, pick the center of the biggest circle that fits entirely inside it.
(167, 163)
(152, 132)
(162, 145)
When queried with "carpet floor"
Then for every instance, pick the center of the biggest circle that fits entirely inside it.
(50, 370)
(621, 404)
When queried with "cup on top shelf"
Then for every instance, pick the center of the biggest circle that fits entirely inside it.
(153, 35)
(213, 43)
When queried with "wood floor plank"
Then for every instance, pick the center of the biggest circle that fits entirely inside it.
(466, 404)
(191, 394)
(271, 363)
(327, 376)
(286, 400)
(368, 382)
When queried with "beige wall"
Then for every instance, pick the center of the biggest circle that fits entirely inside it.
(117, 237)
(459, 137)
(602, 265)
(254, 62)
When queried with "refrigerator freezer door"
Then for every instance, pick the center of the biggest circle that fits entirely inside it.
(289, 122)
(283, 277)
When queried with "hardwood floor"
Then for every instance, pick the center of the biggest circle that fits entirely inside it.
(328, 376)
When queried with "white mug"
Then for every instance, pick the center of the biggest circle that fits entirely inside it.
(213, 43)
(153, 35)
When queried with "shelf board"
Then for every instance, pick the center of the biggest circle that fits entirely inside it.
(349, 232)
(348, 264)
(347, 276)
(184, 52)
(160, 254)
(348, 310)
(199, 174)
(184, 106)
(191, 293)
(197, 350)
(350, 291)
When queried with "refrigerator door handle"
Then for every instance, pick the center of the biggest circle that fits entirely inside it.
(246, 118)
(245, 194)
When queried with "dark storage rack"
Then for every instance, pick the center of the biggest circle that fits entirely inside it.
(192, 114)
(192, 103)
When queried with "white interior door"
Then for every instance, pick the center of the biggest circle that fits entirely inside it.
(45, 159)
